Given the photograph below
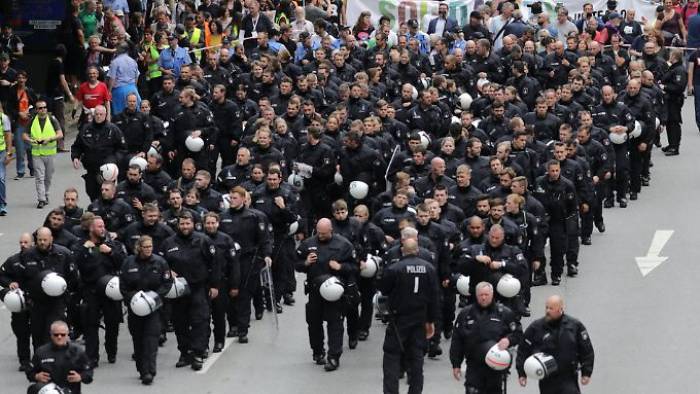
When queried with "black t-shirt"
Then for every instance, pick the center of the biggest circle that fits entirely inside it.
(695, 59)
(53, 83)
(5, 91)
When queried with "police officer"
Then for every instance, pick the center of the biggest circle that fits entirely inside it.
(490, 261)
(148, 225)
(60, 362)
(46, 256)
(640, 106)
(144, 271)
(324, 255)
(70, 207)
(558, 196)
(97, 143)
(478, 327)
(133, 190)
(227, 117)
(614, 117)
(136, 129)
(176, 209)
(564, 338)
(193, 119)
(321, 158)
(193, 256)
(235, 174)
(371, 242)
(388, 218)
(673, 83)
(19, 321)
(97, 256)
(412, 288)
(249, 228)
(360, 162)
(600, 167)
(115, 212)
(228, 250)
(280, 205)
(156, 177)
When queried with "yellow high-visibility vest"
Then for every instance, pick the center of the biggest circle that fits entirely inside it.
(39, 133)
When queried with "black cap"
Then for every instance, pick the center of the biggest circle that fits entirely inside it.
(412, 23)
(226, 40)
(475, 15)
(172, 36)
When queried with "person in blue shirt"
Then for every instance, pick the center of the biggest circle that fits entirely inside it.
(173, 58)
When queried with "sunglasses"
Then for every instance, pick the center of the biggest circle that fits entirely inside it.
(59, 334)
(40, 107)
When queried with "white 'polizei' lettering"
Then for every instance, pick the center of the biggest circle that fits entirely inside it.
(415, 269)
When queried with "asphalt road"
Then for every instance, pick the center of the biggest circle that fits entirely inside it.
(642, 327)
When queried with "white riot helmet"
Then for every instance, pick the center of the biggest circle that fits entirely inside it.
(637, 130)
(293, 228)
(53, 284)
(138, 161)
(179, 288)
(462, 285)
(424, 139)
(497, 359)
(465, 101)
(296, 180)
(152, 151)
(381, 303)
(371, 266)
(109, 172)
(14, 301)
(332, 289)
(358, 190)
(508, 286)
(226, 201)
(51, 388)
(144, 303)
(414, 93)
(110, 284)
(194, 144)
(540, 365)
(338, 179)
(617, 138)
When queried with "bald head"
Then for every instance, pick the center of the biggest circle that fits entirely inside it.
(25, 241)
(437, 166)
(409, 247)
(324, 229)
(554, 308)
(44, 239)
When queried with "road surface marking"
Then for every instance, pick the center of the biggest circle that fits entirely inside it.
(652, 260)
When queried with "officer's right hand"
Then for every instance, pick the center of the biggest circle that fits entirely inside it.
(43, 377)
(76, 163)
(484, 259)
(172, 154)
(311, 258)
(522, 380)
(14, 285)
(173, 274)
(457, 373)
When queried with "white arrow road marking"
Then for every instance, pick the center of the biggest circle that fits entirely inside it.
(652, 260)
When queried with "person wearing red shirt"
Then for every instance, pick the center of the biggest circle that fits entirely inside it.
(91, 94)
